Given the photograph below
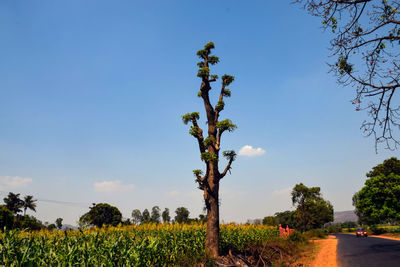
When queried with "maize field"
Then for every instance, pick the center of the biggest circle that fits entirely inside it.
(144, 245)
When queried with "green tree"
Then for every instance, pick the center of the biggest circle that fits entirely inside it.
(51, 227)
(379, 200)
(13, 202)
(165, 216)
(29, 203)
(182, 215)
(285, 218)
(365, 46)
(102, 214)
(270, 220)
(6, 218)
(59, 223)
(210, 146)
(155, 214)
(137, 216)
(146, 216)
(312, 210)
(28, 222)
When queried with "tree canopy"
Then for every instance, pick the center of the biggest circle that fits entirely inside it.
(365, 48)
(13, 202)
(102, 214)
(165, 216)
(379, 200)
(182, 215)
(312, 211)
(155, 214)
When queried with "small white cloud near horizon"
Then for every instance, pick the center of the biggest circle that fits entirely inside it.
(112, 187)
(249, 151)
(173, 193)
(14, 181)
(282, 192)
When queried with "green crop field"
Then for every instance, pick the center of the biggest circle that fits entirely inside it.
(145, 245)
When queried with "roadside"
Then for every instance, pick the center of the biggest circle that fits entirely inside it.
(388, 236)
(326, 256)
(385, 236)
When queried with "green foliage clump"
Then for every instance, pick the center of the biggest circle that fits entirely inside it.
(220, 105)
(227, 79)
(197, 173)
(227, 93)
(194, 130)
(226, 125)
(229, 155)
(203, 72)
(190, 116)
(208, 46)
(208, 157)
(209, 141)
(213, 60)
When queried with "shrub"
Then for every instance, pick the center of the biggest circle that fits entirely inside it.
(315, 233)
(6, 218)
(297, 237)
(377, 230)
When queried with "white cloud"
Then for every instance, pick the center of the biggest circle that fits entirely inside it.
(282, 192)
(112, 186)
(249, 151)
(14, 181)
(173, 193)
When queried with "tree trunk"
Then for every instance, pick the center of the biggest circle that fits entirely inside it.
(212, 237)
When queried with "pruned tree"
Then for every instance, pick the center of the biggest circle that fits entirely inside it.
(210, 146)
(366, 47)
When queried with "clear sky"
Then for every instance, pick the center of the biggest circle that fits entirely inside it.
(92, 94)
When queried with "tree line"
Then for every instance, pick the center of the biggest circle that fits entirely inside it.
(104, 214)
(312, 210)
(10, 216)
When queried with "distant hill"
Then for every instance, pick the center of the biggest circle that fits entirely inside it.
(68, 226)
(344, 216)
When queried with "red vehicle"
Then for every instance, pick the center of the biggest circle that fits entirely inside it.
(361, 232)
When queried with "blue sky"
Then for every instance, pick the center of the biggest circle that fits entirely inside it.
(92, 94)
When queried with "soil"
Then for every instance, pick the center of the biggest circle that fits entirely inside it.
(326, 256)
(388, 236)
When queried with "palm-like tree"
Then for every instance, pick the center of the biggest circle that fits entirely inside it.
(13, 202)
(29, 203)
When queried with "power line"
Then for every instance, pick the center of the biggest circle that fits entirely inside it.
(68, 203)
